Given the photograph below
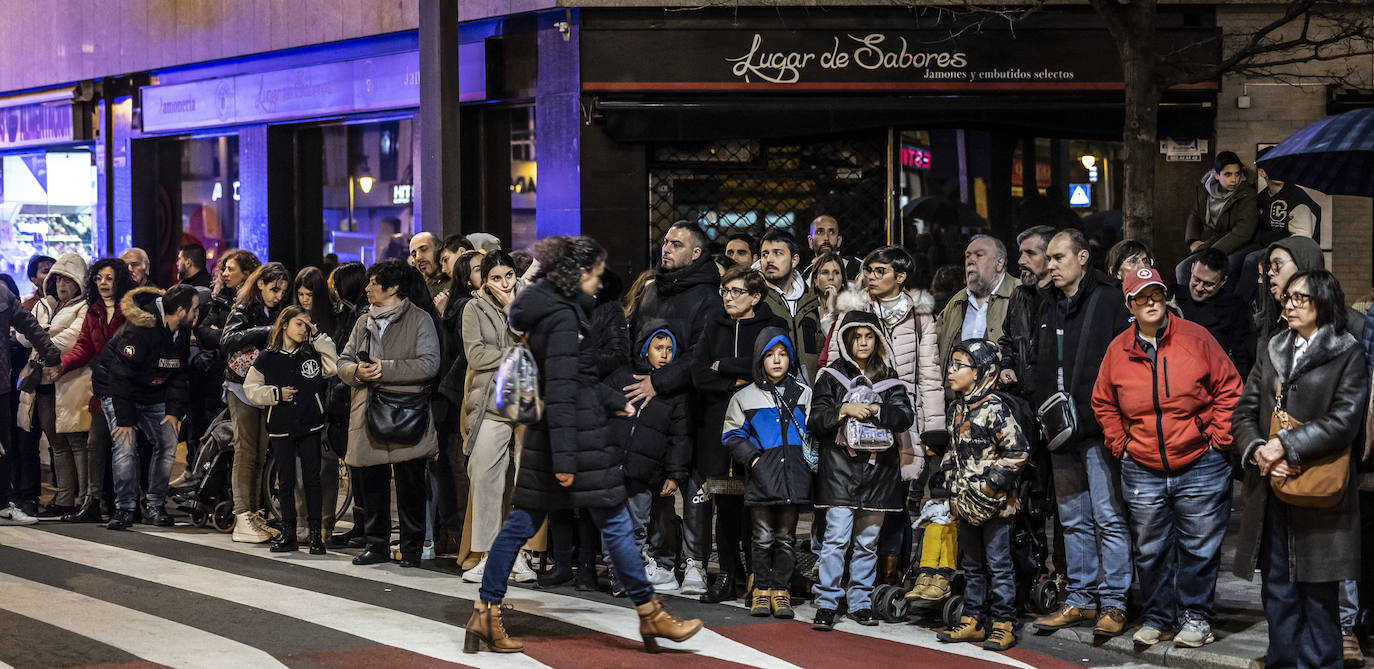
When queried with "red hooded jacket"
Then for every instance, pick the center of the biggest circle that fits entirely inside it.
(95, 331)
(1165, 413)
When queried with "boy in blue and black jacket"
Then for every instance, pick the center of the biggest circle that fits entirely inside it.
(765, 430)
(656, 439)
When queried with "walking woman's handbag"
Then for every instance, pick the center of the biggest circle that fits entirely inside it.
(1319, 484)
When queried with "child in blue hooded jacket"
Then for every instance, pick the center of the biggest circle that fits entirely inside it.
(765, 430)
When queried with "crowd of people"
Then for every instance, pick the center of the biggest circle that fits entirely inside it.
(738, 386)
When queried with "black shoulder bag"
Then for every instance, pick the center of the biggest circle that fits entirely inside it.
(1058, 415)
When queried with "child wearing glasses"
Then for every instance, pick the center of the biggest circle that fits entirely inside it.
(987, 451)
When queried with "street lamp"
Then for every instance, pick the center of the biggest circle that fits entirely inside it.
(1088, 161)
(365, 182)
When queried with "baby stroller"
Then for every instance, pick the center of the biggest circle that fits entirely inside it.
(205, 492)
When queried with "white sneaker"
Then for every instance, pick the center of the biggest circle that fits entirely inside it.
(13, 515)
(474, 575)
(693, 579)
(522, 572)
(1195, 633)
(1149, 636)
(427, 553)
(247, 530)
(662, 579)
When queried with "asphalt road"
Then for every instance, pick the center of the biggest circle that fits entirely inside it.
(81, 595)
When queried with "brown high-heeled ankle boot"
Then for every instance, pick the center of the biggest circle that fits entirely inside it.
(889, 569)
(485, 628)
(655, 622)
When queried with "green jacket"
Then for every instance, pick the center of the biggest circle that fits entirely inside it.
(804, 328)
(952, 318)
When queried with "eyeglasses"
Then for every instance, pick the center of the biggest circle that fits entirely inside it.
(734, 293)
(1142, 299)
(955, 366)
(879, 272)
(1205, 285)
(1298, 299)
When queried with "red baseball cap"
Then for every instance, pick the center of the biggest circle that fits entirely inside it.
(1140, 279)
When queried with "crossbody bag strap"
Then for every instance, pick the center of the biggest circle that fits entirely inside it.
(1088, 311)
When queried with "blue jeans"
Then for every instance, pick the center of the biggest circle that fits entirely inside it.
(617, 534)
(989, 573)
(1350, 605)
(639, 502)
(1097, 543)
(1178, 522)
(1304, 618)
(841, 527)
(124, 461)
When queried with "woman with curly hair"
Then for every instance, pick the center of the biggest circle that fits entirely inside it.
(106, 283)
(565, 461)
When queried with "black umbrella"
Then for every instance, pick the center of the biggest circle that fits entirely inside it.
(1334, 155)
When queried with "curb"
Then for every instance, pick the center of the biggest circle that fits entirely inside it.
(1244, 655)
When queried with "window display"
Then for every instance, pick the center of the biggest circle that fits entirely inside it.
(47, 203)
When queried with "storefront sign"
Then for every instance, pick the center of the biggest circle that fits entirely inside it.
(36, 125)
(915, 158)
(932, 59)
(371, 84)
(1183, 150)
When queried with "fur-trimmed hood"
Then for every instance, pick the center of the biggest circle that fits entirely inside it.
(857, 299)
(142, 307)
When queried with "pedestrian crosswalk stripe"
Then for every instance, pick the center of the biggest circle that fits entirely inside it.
(145, 636)
(596, 616)
(381, 625)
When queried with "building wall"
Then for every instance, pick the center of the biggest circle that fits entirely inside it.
(59, 41)
(1280, 107)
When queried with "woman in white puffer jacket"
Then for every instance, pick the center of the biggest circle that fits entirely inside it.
(60, 409)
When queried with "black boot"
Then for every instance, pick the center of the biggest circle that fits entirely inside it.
(316, 538)
(88, 513)
(721, 589)
(355, 532)
(586, 579)
(155, 515)
(560, 574)
(286, 541)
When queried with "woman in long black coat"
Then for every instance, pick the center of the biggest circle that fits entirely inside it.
(1302, 552)
(565, 461)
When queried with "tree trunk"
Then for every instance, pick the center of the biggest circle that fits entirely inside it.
(1140, 134)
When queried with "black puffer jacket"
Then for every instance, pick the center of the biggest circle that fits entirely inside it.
(571, 437)
(688, 299)
(724, 357)
(1326, 390)
(144, 363)
(856, 481)
(609, 333)
(1109, 317)
(246, 328)
(13, 314)
(656, 441)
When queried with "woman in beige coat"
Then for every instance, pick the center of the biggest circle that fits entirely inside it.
(60, 409)
(394, 346)
(488, 439)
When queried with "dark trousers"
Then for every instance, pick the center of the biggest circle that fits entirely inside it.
(9, 462)
(410, 505)
(307, 450)
(448, 475)
(569, 532)
(774, 545)
(732, 517)
(989, 573)
(1304, 618)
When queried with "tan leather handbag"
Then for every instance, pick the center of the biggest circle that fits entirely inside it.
(1319, 484)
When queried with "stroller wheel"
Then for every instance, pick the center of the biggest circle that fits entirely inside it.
(896, 609)
(1045, 596)
(198, 518)
(223, 517)
(953, 610)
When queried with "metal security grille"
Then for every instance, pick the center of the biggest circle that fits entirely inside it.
(756, 185)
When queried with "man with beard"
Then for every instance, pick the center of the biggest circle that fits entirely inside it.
(1017, 356)
(979, 311)
(791, 298)
(825, 238)
(424, 256)
(685, 292)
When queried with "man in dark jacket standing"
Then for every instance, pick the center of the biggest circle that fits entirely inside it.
(141, 381)
(1081, 311)
(791, 298)
(1209, 302)
(17, 472)
(191, 266)
(686, 293)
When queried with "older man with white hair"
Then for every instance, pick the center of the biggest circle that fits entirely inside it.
(979, 311)
(137, 260)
